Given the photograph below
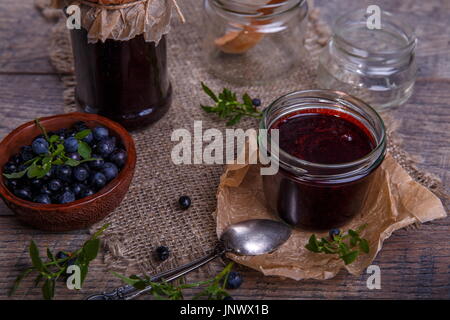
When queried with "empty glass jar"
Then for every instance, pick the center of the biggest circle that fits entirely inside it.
(375, 65)
(252, 41)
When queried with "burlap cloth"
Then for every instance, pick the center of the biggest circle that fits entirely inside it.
(149, 215)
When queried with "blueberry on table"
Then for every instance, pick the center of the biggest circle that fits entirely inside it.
(42, 198)
(66, 197)
(55, 185)
(10, 167)
(61, 255)
(98, 180)
(334, 232)
(119, 158)
(105, 147)
(100, 133)
(96, 164)
(228, 298)
(256, 102)
(184, 202)
(110, 171)
(23, 193)
(234, 280)
(64, 173)
(163, 253)
(71, 144)
(40, 146)
(80, 173)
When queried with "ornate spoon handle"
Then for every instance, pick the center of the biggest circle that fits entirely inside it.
(128, 292)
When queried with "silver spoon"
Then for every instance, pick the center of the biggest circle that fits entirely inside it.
(248, 238)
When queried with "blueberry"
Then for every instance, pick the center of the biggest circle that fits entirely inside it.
(15, 159)
(74, 156)
(163, 253)
(9, 168)
(35, 183)
(100, 133)
(42, 198)
(12, 184)
(105, 147)
(86, 192)
(228, 298)
(98, 180)
(80, 173)
(24, 193)
(119, 158)
(110, 171)
(61, 133)
(334, 232)
(96, 164)
(184, 202)
(55, 185)
(26, 153)
(77, 189)
(80, 126)
(40, 146)
(71, 144)
(66, 197)
(234, 280)
(64, 173)
(45, 190)
(89, 138)
(256, 102)
(61, 255)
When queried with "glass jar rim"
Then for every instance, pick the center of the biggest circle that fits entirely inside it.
(227, 6)
(340, 100)
(404, 29)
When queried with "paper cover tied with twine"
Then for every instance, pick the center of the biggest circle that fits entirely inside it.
(123, 19)
(395, 201)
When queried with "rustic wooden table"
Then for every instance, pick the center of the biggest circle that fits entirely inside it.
(414, 263)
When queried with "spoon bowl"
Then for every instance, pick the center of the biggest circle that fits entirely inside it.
(255, 237)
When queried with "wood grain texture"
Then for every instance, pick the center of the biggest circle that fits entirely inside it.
(414, 263)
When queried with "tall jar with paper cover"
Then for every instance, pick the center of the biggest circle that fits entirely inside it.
(120, 59)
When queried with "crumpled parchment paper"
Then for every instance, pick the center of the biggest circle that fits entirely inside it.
(395, 201)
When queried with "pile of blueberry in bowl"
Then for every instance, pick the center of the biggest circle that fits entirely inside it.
(66, 172)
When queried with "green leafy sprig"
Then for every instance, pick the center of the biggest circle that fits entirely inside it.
(228, 107)
(213, 289)
(40, 165)
(347, 245)
(53, 269)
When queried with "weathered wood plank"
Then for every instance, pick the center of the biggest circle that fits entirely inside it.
(24, 38)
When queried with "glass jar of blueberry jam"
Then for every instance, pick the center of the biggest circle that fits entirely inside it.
(330, 144)
(120, 57)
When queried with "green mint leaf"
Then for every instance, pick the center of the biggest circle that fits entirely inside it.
(53, 139)
(16, 175)
(350, 257)
(35, 258)
(364, 245)
(50, 255)
(208, 109)
(48, 290)
(84, 269)
(71, 162)
(313, 244)
(83, 134)
(247, 100)
(353, 233)
(90, 249)
(19, 278)
(209, 92)
(128, 281)
(234, 120)
(84, 150)
(58, 151)
(37, 280)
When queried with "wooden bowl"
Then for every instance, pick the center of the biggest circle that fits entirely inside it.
(79, 214)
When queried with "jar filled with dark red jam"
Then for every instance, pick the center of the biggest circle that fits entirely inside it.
(330, 144)
(120, 72)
